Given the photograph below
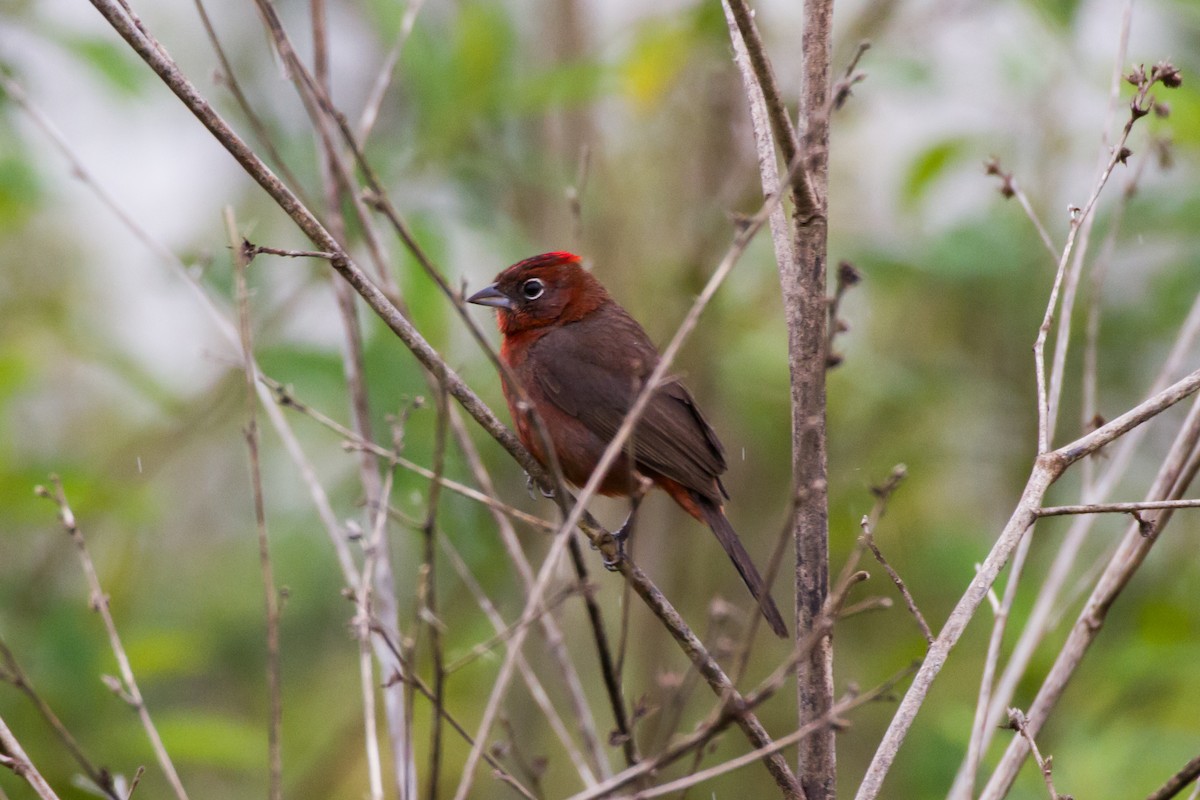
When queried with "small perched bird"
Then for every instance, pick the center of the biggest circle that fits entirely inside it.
(581, 361)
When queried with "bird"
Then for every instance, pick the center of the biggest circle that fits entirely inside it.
(580, 361)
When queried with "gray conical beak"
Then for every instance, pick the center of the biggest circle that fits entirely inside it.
(490, 296)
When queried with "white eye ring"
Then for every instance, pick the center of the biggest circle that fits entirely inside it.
(532, 289)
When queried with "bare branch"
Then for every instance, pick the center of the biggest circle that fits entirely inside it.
(14, 674)
(1179, 469)
(868, 539)
(13, 756)
(1177, 782)
(1018, 722)
(270, 592)
(127, 687)
(1116, 508)
(1047, 469)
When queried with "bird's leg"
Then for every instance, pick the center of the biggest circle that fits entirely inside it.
(623, 533)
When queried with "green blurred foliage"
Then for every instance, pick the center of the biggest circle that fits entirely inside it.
(113, 377)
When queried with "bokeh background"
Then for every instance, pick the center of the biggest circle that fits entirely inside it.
(113, 376)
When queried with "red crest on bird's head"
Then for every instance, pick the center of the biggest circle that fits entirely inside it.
(545, 289)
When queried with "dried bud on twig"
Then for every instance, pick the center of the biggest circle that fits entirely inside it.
(1167, 74)
(992, 167)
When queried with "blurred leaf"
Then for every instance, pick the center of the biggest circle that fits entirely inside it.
(655, 62)
(165, 652)
(460, 79)
(112, 61)
(1060, 12)
(929, 165)
(20, 187)
(571, 85)
(215, 739)
(1182, 127)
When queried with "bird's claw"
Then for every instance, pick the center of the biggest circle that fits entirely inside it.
(619, 536)
(613, 564)
(529, 484)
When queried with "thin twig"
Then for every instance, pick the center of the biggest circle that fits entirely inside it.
(733, 707)
(1010, 188)
(536, 690)
(505, 633)
(1047, 469)
(284, 396)
(1081, 221)
(411, 677)
(608, 671)
(370, 112)
(229, 78)
(13, 756)
(551, 630)
(1177, 782)
(841, 91)
(427, 596)
(135, 782)
(1000, 612)
(782, 230)
(250, 250)
(1178, 470)
(270, 592)
(832, 717)
(1018, 722)
(847, 277)
(127, 687)
(13, 673)
(365, 623)
(1048, 603)
(1116, 508)
(868, 539)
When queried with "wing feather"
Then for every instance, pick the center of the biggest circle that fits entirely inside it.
(598, 386)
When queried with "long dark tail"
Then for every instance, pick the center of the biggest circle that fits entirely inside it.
(715, 517)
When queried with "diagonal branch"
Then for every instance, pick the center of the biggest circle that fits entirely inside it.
(1179, 469)
(13, 756)
(126, 687)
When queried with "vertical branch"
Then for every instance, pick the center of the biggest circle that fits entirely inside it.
(365, 623)
(270, 595)
(805, 302)
(802, 278)
(383, 606)
(428, 600)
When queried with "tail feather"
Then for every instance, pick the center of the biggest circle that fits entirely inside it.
(715, 517)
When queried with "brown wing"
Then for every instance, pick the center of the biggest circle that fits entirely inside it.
(593, 370)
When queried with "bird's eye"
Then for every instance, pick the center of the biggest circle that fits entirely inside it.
(532, 289)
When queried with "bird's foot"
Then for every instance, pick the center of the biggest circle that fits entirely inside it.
(530, 484)
(619, 536)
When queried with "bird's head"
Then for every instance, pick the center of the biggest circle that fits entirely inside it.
(543, 290)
